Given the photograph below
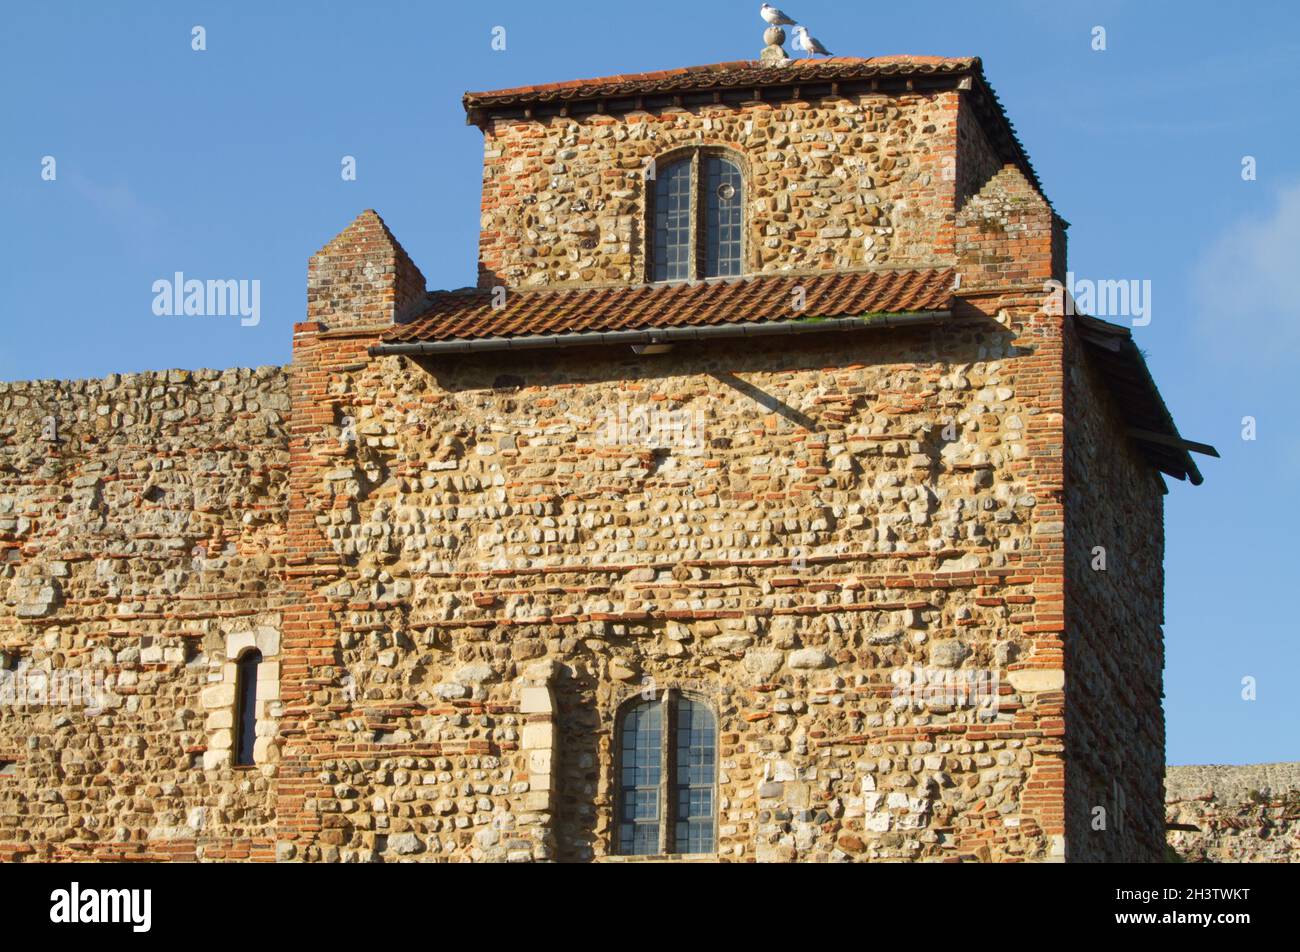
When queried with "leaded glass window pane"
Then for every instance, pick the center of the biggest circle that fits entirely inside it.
(724, 197)
(696, 757)
(672, 248)
(642, 737)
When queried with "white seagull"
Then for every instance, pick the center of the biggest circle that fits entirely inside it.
(774, 16)
(810, 44)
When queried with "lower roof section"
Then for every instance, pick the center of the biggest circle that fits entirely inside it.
(658, 335)
(504, 313)
(462, 322)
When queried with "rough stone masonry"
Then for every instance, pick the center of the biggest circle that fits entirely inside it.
(850, 502)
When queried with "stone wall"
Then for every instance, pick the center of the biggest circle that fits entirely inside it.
(1114, 650)
(776, 529)
(1008, 236)
(976, 161)
(857, 182)
(1221, 814)
(141, 522)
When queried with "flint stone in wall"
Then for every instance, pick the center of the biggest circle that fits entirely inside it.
(810, 659)
(762, 663)
(405, 844)
(782, 631)
(728, 644)
(621, 670)
(42, 602)
(966, 563)
(949, 653)
(542, 672)
(476, 673)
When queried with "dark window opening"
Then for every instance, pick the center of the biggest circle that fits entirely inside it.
(246, 707)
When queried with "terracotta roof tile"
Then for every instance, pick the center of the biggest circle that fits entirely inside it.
(469, 315)
(737, 73)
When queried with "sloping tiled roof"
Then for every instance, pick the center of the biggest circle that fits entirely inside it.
(1110, 347)
(472, 316)
(742, 74)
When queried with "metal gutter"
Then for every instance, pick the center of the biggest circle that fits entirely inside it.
(659, 335)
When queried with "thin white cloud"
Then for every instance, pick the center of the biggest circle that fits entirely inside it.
(1246, 286)
(119, 205)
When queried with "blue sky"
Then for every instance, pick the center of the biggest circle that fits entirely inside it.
(226, 162)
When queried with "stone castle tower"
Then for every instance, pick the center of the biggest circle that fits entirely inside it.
(748, 509)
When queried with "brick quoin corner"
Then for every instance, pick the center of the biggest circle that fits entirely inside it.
(460, 573)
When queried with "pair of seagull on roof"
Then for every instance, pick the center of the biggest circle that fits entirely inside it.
(802, 40)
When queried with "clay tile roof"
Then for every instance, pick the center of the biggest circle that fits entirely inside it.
(1110, 348)
(739, 73)
(470, 315)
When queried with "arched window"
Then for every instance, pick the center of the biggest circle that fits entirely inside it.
(698, 219)
(641, 786)
(246, 706)
(667, 761)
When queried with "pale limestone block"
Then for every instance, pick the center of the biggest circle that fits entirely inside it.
(215, 759)
(536, 701)
(539, 762)
(265, 751)
(1033, 680)
(218, 695)
(268, 642)
(239, 642)
(539, 736)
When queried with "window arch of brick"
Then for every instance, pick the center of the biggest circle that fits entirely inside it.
(695, 224)
(666, 782)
